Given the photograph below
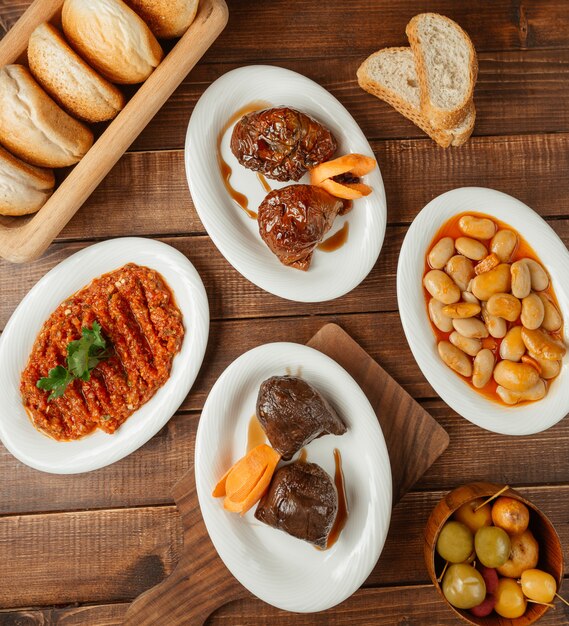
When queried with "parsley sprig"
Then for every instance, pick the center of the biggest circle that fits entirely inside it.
(83, 355)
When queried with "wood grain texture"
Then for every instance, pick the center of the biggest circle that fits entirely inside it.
(395, 606)
(86, 557)
(146, 476)
(230, 295)
(305, 30)
(116, 555)
(515, 92)
(159, 202)
(99, 615)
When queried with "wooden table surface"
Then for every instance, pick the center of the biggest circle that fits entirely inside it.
(78, 549)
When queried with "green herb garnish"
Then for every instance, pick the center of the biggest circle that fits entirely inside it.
(83, 355)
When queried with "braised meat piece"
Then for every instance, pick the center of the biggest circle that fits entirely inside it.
(302, 501)
(281, 143)
(293, 221)
(293, 413)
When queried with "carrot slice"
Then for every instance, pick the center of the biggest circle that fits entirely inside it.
(248, 479)
(356, 164)
(349, 191)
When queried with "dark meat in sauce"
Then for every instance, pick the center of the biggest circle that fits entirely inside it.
(302, 501)
(293, 413)
(281, 143)
(293, 221)
(139, 317)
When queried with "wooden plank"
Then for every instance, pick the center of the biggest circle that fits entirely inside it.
(114, 555)
(414, 171)
(146, 476)
(239, 298)
(397, 606)
(516, 92)
(98, 615)
(393, 606)
(296, 28)
(86, 556)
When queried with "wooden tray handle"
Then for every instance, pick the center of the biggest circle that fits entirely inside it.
(199, 585)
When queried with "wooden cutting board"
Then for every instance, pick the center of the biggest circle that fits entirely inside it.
(201, 583)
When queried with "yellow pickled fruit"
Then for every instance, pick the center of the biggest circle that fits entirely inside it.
(510, 599)
(538, 585)
(472, 518)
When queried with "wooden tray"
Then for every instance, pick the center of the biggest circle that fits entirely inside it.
(25, 238)
(201, 583)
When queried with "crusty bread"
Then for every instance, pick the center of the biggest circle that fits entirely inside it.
(69, 80)
(390, 74)
(23, 188)
(34, 127)
(166, 18)
(446, 65)
(112, 39)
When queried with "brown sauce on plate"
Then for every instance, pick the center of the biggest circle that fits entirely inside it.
(342, 516)
(336, 241)
(303, 456)
(224, 167)
(255, 434)
(264, 184)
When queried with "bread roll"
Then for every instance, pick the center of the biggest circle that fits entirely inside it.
(112, 39)
(166, 18)
(34, 127)
(69, 80)
(23, 188)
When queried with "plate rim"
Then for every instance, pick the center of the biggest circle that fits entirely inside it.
(192, 172)
(196, 338)
(455, 392)
(203, 495)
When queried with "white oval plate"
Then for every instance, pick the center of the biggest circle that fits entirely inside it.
(279, 569)
(331, 274)
(522, 420)
(99, 449)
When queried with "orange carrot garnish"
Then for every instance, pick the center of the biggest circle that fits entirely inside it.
(246, 482)
(356, 164)
(347, 191)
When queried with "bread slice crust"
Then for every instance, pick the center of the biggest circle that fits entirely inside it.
(440, 117)
(33, 127)
(166, 18)
(112, 39)
(24, 188)
(69, 80)
(444, 137)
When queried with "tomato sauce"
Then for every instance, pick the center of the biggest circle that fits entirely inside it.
(522, 251)
(143, 326)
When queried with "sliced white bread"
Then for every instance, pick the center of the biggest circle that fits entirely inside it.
(166, 18)
(23, 188)
(446, 65)
(391, 75)
(34, 127)
(111, 37)
(69, 80)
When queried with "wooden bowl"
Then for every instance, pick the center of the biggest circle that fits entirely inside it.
(550, 550)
